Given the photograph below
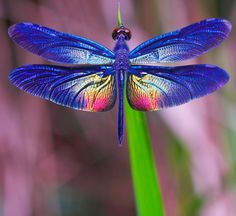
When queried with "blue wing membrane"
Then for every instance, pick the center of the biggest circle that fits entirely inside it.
(59, 47)
(153, 87)
(186, 43)
(88, 89)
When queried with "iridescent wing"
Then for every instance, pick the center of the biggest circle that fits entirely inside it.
(58, 46)
(88, 88)
(186, 43)
(152, 87)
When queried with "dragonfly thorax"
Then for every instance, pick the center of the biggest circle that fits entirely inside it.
(121, 55)
(122, 60)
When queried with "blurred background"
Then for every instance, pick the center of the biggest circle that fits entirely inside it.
(55, 161)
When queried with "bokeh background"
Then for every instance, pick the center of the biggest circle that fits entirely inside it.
(55, 161)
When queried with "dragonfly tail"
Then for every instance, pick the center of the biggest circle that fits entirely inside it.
(121, 106)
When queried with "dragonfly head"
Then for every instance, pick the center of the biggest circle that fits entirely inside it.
(121, 30)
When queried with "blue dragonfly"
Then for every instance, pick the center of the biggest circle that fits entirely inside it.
(95, 74)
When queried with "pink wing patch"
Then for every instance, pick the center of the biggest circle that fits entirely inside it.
(141, 95)
(105, 95)
(98, 96)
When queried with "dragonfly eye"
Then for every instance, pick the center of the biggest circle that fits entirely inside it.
(122, 30)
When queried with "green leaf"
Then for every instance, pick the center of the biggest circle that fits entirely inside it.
(145, 181)
(119, 16)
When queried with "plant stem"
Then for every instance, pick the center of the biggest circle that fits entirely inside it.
(145, 179)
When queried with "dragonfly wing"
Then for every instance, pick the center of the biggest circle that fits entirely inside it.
(186, 43)
(58, 46)
(152, 87)
(88, 89)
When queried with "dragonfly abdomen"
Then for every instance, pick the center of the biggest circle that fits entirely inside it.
(120, 76)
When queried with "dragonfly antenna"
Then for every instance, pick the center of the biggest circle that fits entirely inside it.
(120, 24)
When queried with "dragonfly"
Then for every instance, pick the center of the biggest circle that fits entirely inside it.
(93, 76)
